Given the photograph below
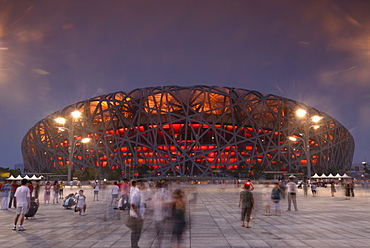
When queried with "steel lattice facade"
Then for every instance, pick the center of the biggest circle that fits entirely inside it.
(180, 131)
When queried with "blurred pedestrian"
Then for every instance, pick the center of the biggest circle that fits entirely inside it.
(305, 188)
(37, 189)
(12, 199)
(332, 189)
(135, 218)
(114, 192)
(5, 196)
(266, 199)
(276, 197)
(125, 188)
(158, 205)
(246, 202)
(178, 214)
(314, 188)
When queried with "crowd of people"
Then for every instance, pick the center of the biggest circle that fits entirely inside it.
(163, 202)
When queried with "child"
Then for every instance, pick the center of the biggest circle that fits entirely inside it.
(81, 202)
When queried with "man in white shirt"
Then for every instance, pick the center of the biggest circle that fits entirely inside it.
(291, 186)
(135, 217)
(23, 204)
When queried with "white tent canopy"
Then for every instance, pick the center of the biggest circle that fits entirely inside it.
(345, 176)
(34, 177)
(18, 177)
(330, 176)
(323, 176)
(11, 178)
(315, 176)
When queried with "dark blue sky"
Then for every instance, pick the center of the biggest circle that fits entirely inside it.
(55, 53)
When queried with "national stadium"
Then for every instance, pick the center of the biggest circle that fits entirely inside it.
(177, 131)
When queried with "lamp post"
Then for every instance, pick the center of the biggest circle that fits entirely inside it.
(308, 123)
(71, 140)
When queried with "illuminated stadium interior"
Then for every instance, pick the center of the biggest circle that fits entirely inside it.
(188, 131)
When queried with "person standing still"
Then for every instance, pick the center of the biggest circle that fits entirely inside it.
(5, 197)
(61, 188)
(246, 202)
(291, 185)
(37, 189)
(276, 197)
(114, 200)
(12, 192)
(96, 190)
(23, 204)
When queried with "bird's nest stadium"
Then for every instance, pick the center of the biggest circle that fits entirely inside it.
(188, 131)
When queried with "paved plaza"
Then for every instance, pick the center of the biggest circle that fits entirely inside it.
(213, 221)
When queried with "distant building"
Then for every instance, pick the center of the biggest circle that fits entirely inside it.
(188, 131)
(19, 166)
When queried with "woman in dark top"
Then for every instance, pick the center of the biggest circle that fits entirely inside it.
(178, 214)
(246, 202)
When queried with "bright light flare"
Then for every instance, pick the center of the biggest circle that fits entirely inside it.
(301, 113)
(294, 139)
(85, 140)
(76, 114)
(60, 120)
(316, 118)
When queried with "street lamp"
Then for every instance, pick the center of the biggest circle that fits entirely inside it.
(307, 125)
(71, 139)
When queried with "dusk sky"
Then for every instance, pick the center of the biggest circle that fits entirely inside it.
(56, 53)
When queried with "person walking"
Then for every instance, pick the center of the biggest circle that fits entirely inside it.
(23, 203)
(125, 188)
(246, 202)
(178, 215)
(332, 189)
(305, 188)
(292, 196)
(135, 219)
